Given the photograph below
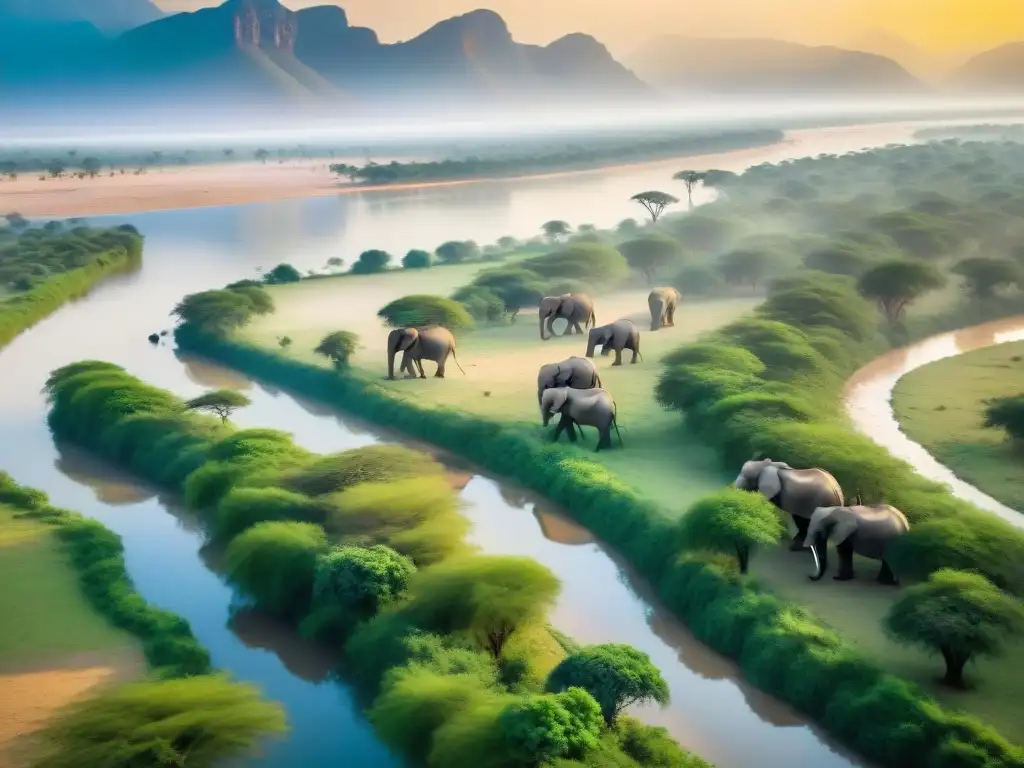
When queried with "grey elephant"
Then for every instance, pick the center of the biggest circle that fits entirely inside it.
(620, 335)
(574, 372)
(865, 530)
(581, 408)
(417, 344)
(575, 308)
(796, 491)
(662, 303)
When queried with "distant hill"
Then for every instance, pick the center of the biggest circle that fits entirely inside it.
(108, 16)
(929, 65)
(998, 70)
(754, 66)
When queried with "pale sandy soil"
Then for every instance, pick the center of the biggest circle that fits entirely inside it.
(236, 183)
(30, 699)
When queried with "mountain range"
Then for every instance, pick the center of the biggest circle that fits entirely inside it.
(258, 52)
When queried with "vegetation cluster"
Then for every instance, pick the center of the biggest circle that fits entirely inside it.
(364, 551)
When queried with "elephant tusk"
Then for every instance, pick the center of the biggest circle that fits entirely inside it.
(817, 564)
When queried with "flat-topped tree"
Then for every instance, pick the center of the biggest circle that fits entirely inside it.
(556, 229)
(984, 276)
(222, 402)
(892, 285)
(650, 254)
(655, 202)
(691, 179)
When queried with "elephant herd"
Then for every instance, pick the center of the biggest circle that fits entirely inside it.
(816, 503)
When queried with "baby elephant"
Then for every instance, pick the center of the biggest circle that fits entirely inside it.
(663, 302)
(575, 372)
(866, 530)
(584, 408)
(620, 335)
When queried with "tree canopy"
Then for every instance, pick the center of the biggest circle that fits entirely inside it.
(361, 579)
(416, 259)
(338, 347)
(649, 255)
(892, 285)
(457, 251)
(543, 728)
(958, 614)
(745, 266)
(655, 202)
(222, 402)
(282, 273)
(1006, 413)
(424, 309)
(222, 311)
(617, 676)
(555, 229)
(733, 522)
(983, 276)
(371, 262)
(691, 179)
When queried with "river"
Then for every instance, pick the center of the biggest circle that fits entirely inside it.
(712, 711)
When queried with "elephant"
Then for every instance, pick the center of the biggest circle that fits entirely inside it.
(796, 491)
(579, 408)
(662, 303)
(574, 372)
(620, 335)
(417, 344)
(865, 530)
(576, 308)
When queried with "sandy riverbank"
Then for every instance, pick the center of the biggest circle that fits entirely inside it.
(237, 183)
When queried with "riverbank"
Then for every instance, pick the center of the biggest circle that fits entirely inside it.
(239, 183)
(941, 407)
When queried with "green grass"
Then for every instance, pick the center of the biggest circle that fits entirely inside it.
(941, 405)
(45, 615)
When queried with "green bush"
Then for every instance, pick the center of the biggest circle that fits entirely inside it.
(372, 464)
(361, 580)
(422, 310)
(543, 728)
(596, 265)
(241, 508)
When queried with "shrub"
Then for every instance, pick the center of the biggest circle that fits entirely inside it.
(420, 310)
(590, 263)
(372, 464)
(542, 728)
(282, 273)
(371, 262)
(733, 522)
(457, 251)
(221, 312)
(361, 580)
(416, 259)
(338, 347)
(1006, 413)
(242, 508)
(653, 747)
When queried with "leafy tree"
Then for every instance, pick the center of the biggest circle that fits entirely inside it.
(489, 598)
(423, 309)
(555, 229)
(655, 202)
(281, 274)
(627, 227)
(516, 288)
(582, 262)
(733, 522)
(338, 347)
(222, 402)
(744, 266)
(344, 169)
(983, 275)
(719, 179)
(416, 259)
(691, 179)
(371, 262)
(275, 564)
(617, 676)
(507, 243)
(335, 262)
(457, 251)
(957, 614)
(1006, 413)
(544, 728)
(261, 155)
(650, 254)
(361, 580)
(197, 721)
(91, 166)
(892, 285)
(220, 312)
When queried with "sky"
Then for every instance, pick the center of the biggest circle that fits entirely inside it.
(939, 26)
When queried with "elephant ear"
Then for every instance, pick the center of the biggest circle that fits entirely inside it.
(567, 307)
(769, 483)
(562, 376)
(410, 337)
(846, 525)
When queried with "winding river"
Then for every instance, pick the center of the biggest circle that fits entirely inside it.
(712, 711)
(868, 400)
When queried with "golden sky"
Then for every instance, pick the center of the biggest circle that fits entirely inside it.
(938, 25)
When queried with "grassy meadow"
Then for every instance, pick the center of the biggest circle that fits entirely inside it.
(941, 407)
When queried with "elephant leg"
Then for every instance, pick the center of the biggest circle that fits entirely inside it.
(604, 439)
(563, 423)
(845, 552)
(419, 366)
(797, 543)
(635, 353)
(618, 357)
(569, 426)
(440, 368)
(886, 576)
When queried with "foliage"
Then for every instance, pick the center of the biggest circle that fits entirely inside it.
(698, 280)
(733, 522)
(983, 275)
(222, 402)
(1006, 413)
(655, 202)
(242, 508)
(416, 259)
(371, 262)
(653, 746)
(362, 580)
(555, 229)
(587, 262)
(514, 287)
(223, 311)
(457, 251)
(840, 258)
(542, 728)
(422, 309)
(617, 676)
(894, 284)
(199, 721)
(489, 598)
(651, 254)
(281, 274)
(338, 347)
(961, 615)
(745, 266)
(691, 179)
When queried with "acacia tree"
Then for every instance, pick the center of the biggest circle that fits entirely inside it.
(958, 614)
(733, 522)
(893, 285)
(222, 402)
(691, 179)
(488, 598)
(615, 675)
(983, 275)
(1006, 413)
(655, 202)
(555, 229)
(649, 254)
(338, 347)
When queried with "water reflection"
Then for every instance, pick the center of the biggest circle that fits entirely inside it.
(868, 399)
(560, 529)
(108, 485)
(205, 374)
(303, 658)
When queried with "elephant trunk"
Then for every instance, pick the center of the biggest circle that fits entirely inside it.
(819, 548)
(590, 346)
(542, 319)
